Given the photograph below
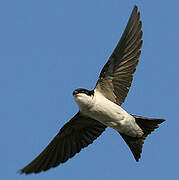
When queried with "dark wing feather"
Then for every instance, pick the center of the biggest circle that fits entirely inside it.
(78, 133)
(116, 76)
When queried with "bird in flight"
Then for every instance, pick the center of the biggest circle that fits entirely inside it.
(101, 107)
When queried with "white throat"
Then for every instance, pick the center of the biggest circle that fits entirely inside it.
(83, 101)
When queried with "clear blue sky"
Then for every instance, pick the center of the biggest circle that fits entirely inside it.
(49, 48)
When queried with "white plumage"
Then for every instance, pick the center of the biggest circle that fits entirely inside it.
(110, 114)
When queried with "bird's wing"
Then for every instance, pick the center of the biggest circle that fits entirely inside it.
(116, 76)
(78, 133)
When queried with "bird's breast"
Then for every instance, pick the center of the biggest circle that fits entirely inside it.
(110, 114)
(106, 111)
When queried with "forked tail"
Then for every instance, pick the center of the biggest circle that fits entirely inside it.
(147, 125)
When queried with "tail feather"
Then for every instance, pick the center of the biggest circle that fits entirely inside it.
(135, 145)
(147, 125)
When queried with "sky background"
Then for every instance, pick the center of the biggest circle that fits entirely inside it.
(49, 48)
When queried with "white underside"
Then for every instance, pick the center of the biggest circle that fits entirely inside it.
(110, 114)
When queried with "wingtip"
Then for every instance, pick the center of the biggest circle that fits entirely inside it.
(27, 171)
(163, 120)
(20, 172)
(23, 171)
(135, 12)
(135, 7)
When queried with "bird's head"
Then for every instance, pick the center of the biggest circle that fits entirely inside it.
(83, 97)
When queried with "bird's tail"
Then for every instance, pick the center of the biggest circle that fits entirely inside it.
(147, 125)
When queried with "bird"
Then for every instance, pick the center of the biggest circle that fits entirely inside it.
(101, 107)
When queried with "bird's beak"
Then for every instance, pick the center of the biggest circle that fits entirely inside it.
(75, 92)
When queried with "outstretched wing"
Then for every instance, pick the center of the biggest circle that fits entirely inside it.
(116, 76)
(78, 133)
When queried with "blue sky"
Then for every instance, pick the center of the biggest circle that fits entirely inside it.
(49, 48)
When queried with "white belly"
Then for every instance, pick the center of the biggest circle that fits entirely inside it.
(112, 115)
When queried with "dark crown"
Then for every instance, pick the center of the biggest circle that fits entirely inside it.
(85, 91)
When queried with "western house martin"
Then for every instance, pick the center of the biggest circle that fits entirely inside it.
(101, 107)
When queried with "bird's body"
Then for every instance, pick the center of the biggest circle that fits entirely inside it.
(101, 107)
(108, 113)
